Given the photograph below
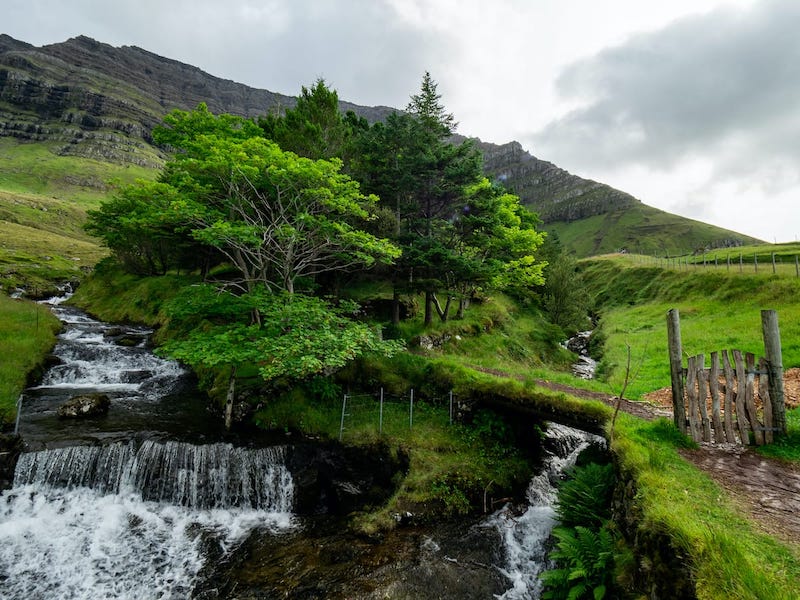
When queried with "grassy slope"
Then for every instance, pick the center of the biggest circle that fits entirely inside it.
(44, 197)
(641, 229)
(719, 310)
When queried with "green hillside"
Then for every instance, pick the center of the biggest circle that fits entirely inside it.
(44, 197)
(641, 229)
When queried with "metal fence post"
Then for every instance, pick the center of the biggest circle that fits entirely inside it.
(380, 421)
(341, 424)
(411, 411)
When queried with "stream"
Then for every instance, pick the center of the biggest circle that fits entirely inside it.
(153, 502)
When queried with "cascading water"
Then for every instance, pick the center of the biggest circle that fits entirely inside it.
(120, 522)
(525, 535)
(146, 391)
(123, 518)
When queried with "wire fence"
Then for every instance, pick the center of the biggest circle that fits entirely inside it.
(732, 262)
(392, 414)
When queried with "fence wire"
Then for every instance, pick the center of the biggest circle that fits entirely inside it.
(394, 415)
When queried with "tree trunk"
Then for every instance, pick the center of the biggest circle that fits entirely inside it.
(229, 400)
(428, 308)
(395, 306)
(443, 313)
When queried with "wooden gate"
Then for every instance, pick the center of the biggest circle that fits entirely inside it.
(735, 400)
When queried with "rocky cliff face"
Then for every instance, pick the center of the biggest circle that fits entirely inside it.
(102, 102)
(552, 192)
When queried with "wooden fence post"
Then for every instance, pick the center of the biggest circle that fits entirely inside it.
(676, 368)
(772, 352)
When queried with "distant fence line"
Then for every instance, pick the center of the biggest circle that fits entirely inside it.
(742, 262)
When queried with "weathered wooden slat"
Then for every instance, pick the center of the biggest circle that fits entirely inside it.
(763, 392)
(676, 368)
(750, 400)
(729, 390)
(713, 387)
(702, 395)
(691, 394)
(741, 391)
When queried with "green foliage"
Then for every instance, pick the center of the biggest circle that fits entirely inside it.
(586, 565)
(293, 338)
(584, 498)
(564, 295)
(314, 128)
(27, 334)
(786, 447)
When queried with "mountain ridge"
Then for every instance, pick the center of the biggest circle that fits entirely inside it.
(99, 101)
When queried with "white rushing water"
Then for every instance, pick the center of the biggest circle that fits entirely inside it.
(126, 520)
(525, 535)
(77, 523)
(92, 359)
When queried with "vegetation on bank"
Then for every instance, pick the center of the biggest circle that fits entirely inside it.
(27, 334)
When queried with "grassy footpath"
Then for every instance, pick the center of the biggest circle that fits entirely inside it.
(27, 334)
(729, 559)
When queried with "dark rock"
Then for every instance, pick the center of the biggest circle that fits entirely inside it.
(10, 449)
(87, 405)
(335, 479)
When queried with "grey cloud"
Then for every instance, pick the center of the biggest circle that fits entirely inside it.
(688, 89)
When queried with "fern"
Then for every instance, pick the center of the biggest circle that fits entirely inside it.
(585, 498)
(585, 560)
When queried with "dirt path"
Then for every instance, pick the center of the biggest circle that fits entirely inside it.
(767, 490)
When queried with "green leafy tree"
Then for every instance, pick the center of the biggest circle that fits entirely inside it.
(276, 217)
(315, 128)
(298, 337)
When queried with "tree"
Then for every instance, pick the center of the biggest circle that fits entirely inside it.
(315, 128)
(411, 164)
(277, 218)
(297, 338)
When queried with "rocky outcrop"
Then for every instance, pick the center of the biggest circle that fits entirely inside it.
(555, 194)
(87, 405)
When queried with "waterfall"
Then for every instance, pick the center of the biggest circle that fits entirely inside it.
(525, 535)
(208, 476)
(117, 521)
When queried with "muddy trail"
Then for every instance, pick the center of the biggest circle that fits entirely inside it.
(767, 490)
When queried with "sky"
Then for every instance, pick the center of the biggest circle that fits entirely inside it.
(692, 106)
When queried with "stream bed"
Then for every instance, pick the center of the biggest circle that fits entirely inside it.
(154, 502)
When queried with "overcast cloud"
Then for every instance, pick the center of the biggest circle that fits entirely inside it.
(691, 106)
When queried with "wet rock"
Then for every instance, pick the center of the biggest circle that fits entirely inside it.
(10, 449)
(86, 405)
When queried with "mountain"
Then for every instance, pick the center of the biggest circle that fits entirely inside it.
(85, 99)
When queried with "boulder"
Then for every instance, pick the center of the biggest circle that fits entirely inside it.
(86, 405)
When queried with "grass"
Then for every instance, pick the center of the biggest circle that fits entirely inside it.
(27, 334)
(640, 229)
(44, 197)
(788, 447)
(728, 558)
(718, 311)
